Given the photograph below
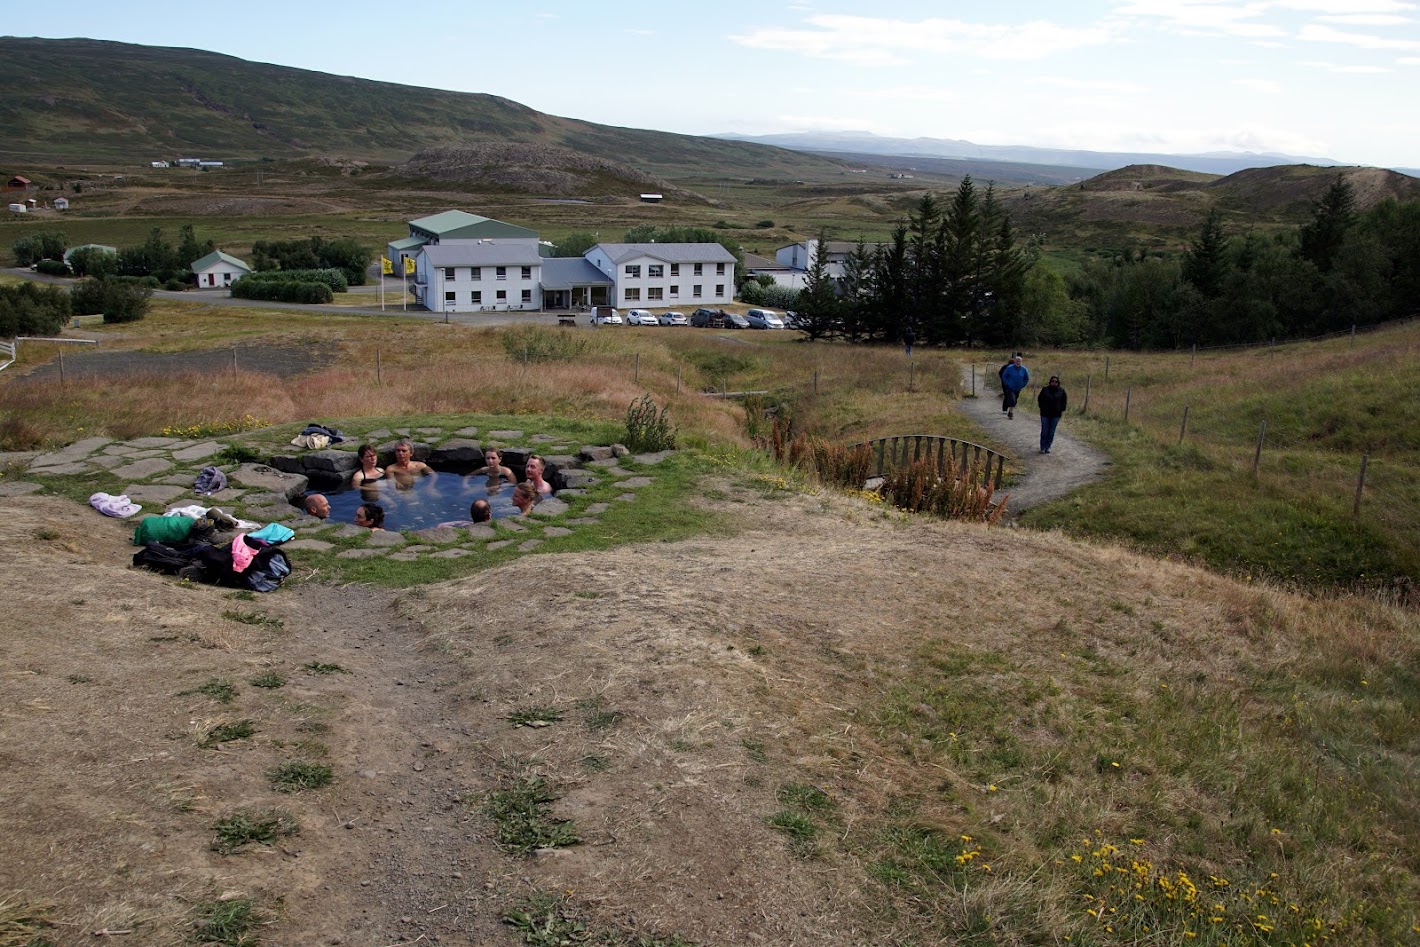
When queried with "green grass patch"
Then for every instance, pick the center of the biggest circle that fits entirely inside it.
(270, 680)
(234, 922)
(299, 776)
(521, 813)
(534, 716)
(228, 733)
(219, 689)
(251, 827)
(549, 920)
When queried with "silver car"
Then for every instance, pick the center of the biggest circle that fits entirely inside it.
(673, 319)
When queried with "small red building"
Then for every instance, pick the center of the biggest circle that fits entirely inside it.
(18, 183)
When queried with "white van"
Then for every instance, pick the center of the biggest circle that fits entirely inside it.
(605, 316)
(763, 319)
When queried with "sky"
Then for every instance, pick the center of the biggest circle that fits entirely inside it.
(1337, 79)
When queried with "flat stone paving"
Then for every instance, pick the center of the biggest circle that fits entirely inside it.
(160, 471)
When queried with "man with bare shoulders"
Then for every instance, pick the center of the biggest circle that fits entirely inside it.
(405, 468)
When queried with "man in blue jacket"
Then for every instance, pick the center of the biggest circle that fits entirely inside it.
(1014, 378)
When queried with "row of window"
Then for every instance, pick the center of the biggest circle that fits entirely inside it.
(657, 270)
(475, 298)
(654, 293)
(476, 272)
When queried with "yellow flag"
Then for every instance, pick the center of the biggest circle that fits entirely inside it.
(387, 265)
(408, 265)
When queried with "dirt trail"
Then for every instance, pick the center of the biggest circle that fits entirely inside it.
(1070, 464)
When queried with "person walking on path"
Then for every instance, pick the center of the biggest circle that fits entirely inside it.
(1014, 378)
(908, 337)
(1052, 399)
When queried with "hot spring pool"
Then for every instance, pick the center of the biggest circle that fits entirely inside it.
(440, 497)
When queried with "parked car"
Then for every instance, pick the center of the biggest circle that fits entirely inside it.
(605, 316)
(763, 319)
(734, 320)
(673, 319)
(640, 317)
(792, 320)
(707, 318)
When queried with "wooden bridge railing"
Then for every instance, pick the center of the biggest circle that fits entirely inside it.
(971, 459)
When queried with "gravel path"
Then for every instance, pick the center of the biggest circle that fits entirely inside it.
(1070, 464)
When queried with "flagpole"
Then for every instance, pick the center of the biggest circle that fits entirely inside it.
(382, 287)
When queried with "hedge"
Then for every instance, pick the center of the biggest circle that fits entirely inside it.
(330, 276)
(286, 292)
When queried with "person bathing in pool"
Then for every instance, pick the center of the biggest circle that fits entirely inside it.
(535, 469)
(493, 469)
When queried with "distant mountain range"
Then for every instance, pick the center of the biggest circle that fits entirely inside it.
(867, 143)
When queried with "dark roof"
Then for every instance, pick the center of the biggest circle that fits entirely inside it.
(565, 272)
(669, 252)
(483, 254)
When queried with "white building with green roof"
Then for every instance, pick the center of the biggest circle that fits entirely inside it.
(453, 227)
(218, 269)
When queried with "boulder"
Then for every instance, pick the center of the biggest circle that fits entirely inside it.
(263, 477)
(593, 452)
(577, 479)
(458, 452)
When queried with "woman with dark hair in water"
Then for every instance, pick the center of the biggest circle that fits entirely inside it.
(370, 515)
(370, 469)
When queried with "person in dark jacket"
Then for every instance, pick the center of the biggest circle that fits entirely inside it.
(1052, 400)
(909, 336)
(1014, 378)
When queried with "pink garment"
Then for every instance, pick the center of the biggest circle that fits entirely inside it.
(242, 554)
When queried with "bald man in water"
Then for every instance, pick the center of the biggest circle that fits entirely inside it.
(318, 506)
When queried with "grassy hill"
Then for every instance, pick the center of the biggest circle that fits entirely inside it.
(90, 100)
(1161, 206)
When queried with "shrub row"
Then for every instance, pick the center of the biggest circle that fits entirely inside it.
(32, 309)
(330, 276)
(281, 291)
(119, 298)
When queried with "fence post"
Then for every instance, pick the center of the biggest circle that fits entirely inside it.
(379, 370)
(1106, 368)
(1353, 333)
(677, 379)
(1257, 455)
(636, 376)
(1127, 391)
(1360, 487)
(234, 363)
(1183, 428)
(815, 381)
(911, 376)
(61, 368)
(1193, 355)
(1086, 408)
(973, 379)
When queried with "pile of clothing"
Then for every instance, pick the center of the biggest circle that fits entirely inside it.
(189, 547)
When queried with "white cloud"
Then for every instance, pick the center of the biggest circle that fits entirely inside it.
(1325, 34)
(1367, 19)
(1265, 86)
(1117, 86)
(882, 41)
(1205, 17)
(1408, 61)
(1345, 7)
(1344, 68)
(903, 94)
(636, 31)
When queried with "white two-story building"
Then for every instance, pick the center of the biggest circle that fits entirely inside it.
(651, 275)
(479, 277)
